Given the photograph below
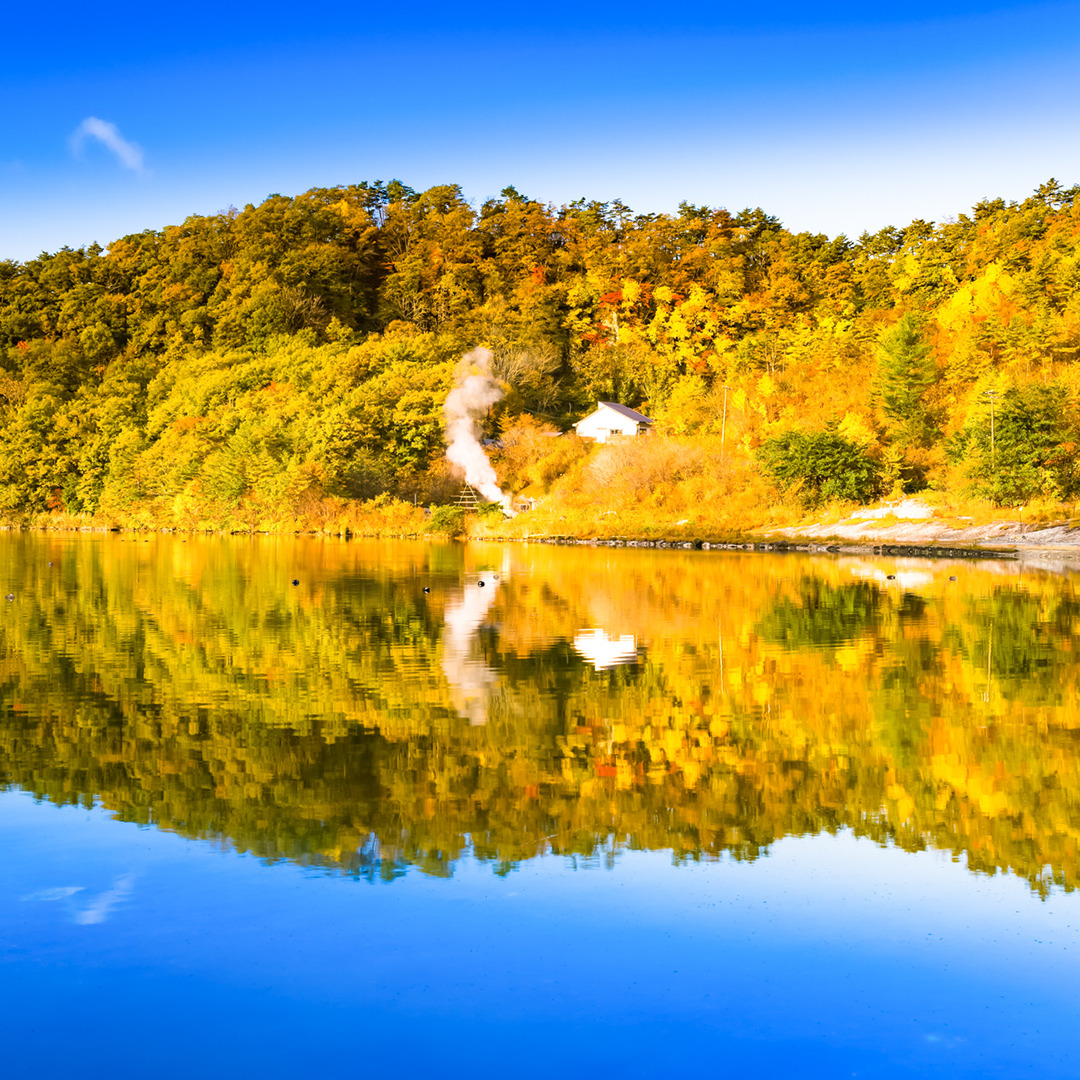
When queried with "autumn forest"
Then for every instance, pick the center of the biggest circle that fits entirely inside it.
(284, 366)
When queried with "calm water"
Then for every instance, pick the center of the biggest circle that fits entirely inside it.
(534, 811)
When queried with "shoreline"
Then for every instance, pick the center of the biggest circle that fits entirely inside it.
(922, 539)
(996, 539)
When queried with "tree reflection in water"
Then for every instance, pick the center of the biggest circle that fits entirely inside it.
(357, 722)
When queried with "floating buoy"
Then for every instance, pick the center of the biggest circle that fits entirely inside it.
(891, 577)
(426, 589)
(10, 596)
(494, 577)
(50, 564)
(296, 581)
(952, 577)
(480, 583)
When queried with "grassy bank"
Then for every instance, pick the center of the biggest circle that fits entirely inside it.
(336, 517)
(663, 487)
(939, 521)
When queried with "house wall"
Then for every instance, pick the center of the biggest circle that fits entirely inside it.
(604, 423)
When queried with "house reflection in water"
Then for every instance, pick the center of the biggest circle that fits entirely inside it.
(605, 652)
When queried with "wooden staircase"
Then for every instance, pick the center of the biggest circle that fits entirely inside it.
(469, 498)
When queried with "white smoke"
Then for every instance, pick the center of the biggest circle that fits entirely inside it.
(475, 391)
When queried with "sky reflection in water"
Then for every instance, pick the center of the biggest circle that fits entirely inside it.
(772, 839)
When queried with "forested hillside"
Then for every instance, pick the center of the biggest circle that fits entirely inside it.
(266, 366)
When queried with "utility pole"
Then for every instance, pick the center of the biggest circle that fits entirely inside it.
(992, 395)
(723, 424)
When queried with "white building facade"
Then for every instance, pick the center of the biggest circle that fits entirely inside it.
(612, 420)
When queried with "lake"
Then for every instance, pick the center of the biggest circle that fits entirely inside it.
(273, 806)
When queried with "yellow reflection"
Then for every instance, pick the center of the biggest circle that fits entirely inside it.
(702, 702)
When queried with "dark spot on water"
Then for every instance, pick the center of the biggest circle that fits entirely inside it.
(480, 584)
(891, 577)
(426, 589)
(952, 577)
(296, 581)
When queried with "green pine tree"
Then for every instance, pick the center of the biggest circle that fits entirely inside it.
(906, 371)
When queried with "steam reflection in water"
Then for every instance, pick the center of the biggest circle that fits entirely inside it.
(469, 678)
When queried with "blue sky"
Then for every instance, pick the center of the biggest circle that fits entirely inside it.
(836, 118)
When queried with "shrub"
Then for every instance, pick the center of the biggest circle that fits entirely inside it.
(523, 442)
(628, 470)
(1026, 449)
(821, 465)
(449, 520)
(492, 511)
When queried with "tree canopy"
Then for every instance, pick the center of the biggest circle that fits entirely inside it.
(302, 347)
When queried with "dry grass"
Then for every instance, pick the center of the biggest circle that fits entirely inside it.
(960, 510)
(661, 486)
(382, 516)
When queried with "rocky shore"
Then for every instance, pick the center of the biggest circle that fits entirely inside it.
(912, 527)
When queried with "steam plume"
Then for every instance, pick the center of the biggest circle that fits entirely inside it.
(475, 391)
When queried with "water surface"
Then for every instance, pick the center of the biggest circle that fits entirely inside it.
(533, 809)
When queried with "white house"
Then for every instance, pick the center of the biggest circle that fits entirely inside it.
(611, 419)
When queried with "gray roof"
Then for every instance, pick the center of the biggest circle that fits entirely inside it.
(630, 414)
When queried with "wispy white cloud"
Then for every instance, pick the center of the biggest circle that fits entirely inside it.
(95, 909)
(61, 893)
(100, 906)
(129, 154)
